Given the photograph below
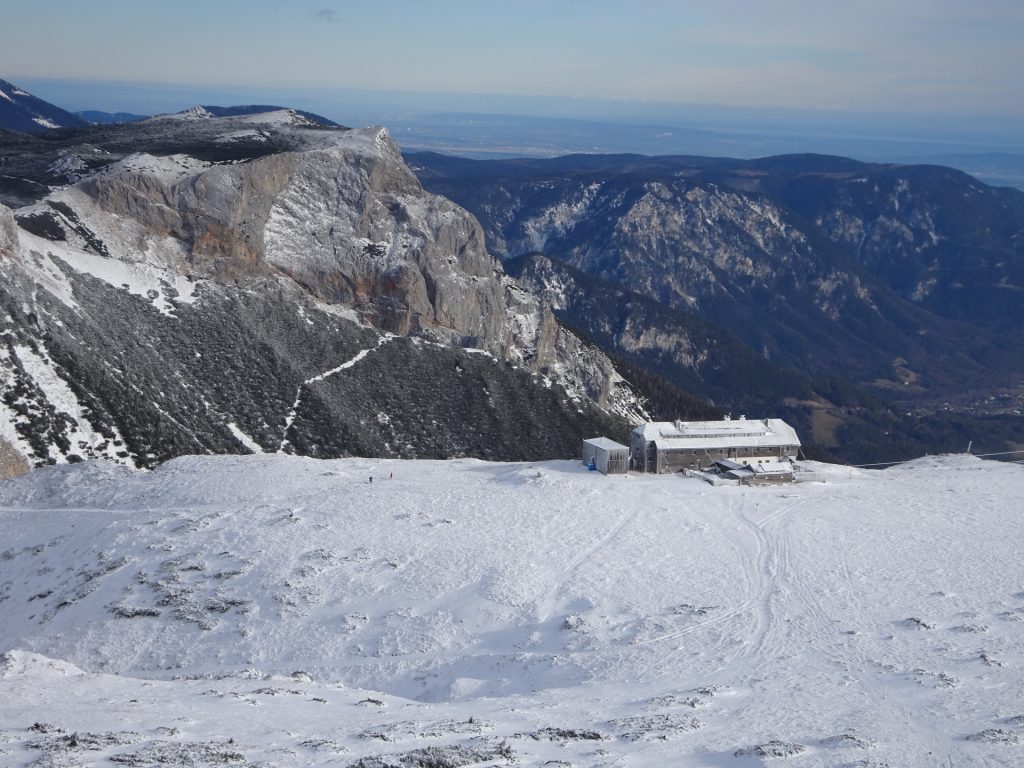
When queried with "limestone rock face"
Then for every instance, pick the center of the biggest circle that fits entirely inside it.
(8, 230)
(298, 291)
(12, 462)
(349, 222)
(216, 211)
(353, 226)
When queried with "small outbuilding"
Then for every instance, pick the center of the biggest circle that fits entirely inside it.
(672, 446)
(605, 456)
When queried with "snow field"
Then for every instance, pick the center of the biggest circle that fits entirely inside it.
(866, 618)
(163, 287)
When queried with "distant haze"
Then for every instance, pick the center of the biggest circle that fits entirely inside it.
(938, 77)
(934, 56)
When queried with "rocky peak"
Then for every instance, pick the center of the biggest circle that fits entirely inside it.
(196, 113)
(347, 221)
(253, 268)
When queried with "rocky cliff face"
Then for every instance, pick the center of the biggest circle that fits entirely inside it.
(880, 274)
(8, 231)
(699, 357)
(173, 303)
(348, 222)
(938, 237)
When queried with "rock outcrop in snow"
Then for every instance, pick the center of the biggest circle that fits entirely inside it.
(8, 231)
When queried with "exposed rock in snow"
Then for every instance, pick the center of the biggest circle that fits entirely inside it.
(8, 231)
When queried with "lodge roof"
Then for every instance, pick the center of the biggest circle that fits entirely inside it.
(726, 433)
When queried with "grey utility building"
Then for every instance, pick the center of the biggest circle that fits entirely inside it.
(669, 446)
(606, 455)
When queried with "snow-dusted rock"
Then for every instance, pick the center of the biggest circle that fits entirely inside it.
(155, 263)
(8, 231)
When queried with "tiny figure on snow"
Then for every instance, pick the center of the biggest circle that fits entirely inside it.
(371, 479)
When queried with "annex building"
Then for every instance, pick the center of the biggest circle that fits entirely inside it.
(670, 446)
(605, 456)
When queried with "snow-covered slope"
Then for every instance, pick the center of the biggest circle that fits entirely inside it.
(480, 611)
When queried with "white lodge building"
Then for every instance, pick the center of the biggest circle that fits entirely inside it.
(667, 446)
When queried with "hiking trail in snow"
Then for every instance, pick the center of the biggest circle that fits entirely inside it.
(293, 413)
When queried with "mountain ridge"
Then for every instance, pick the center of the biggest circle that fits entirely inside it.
(715, 275)
(262, 271)
(21, 111)
(807, 264)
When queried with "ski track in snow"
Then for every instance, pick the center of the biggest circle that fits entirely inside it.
(546, 601)
(760, 572)
(481, 604)
(777, 591)
(293, 413)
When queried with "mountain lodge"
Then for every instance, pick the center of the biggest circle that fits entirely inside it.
(667, 446)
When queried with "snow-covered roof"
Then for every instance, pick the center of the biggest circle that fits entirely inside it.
(727, 433)
(765, 466)
(730, 464)
(605, 443)
(772, 468)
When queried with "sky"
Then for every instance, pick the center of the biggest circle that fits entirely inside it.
(922, 56)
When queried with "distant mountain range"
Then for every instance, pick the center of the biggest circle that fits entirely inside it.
(22, 112)
(254, 278)
(996, 159)
(904, 281)
(104, 118)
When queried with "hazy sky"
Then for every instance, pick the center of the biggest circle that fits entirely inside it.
(952, 57)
